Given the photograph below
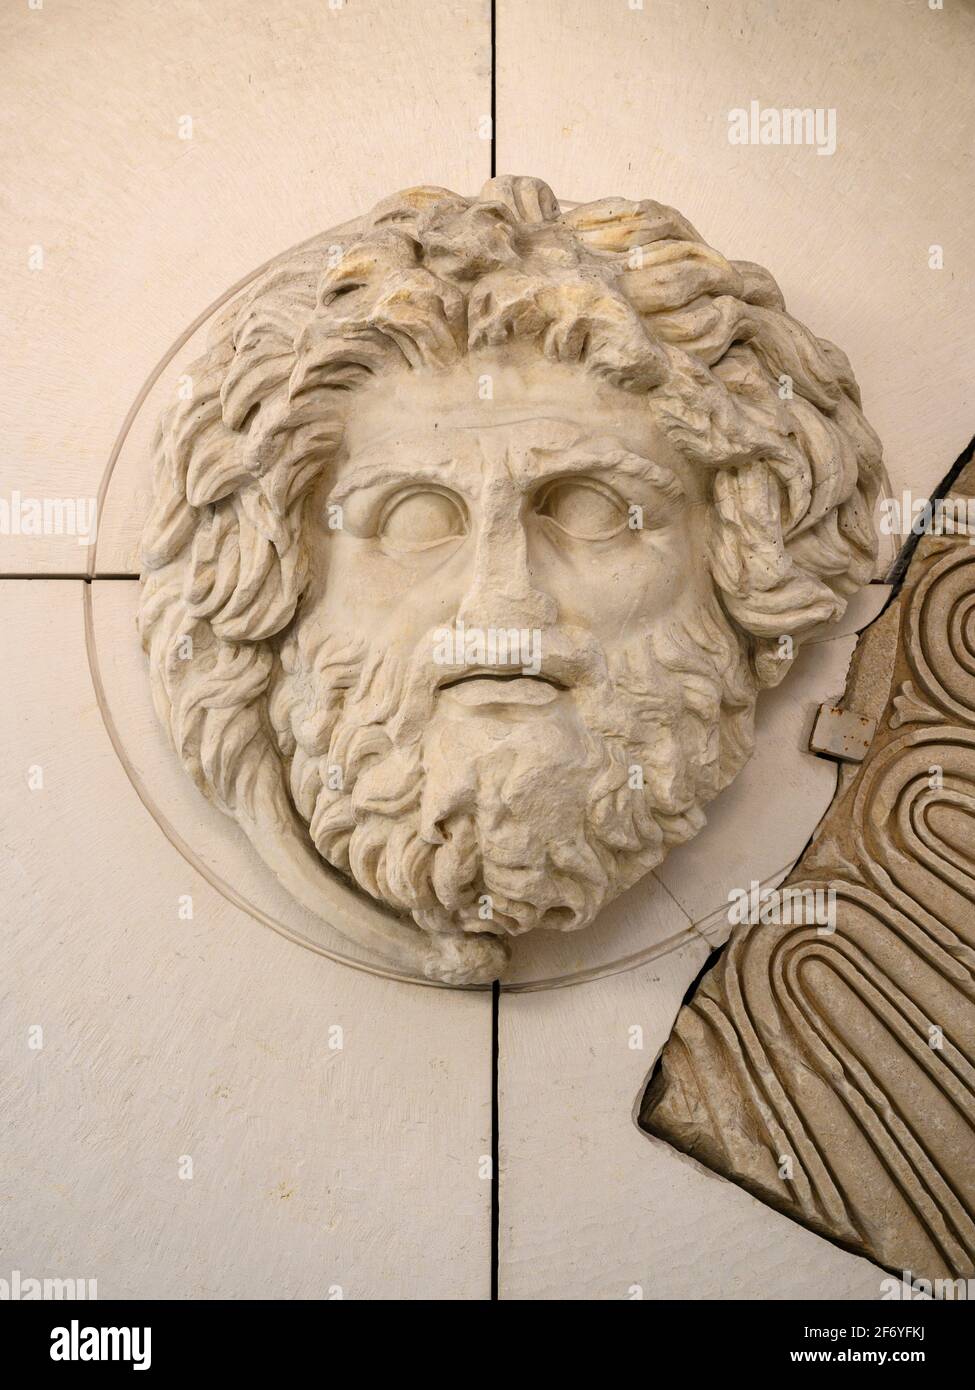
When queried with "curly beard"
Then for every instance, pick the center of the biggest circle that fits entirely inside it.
(499, 819)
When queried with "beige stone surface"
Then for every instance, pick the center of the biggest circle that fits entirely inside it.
(314, 1167)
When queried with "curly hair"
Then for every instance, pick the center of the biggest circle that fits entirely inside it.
(627, 290)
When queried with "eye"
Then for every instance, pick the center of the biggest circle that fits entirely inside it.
(421, 517)
(583, 509)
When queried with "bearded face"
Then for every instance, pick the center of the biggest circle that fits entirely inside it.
(488, 520)
(504, 695)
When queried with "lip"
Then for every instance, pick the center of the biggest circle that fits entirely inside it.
(478, 689)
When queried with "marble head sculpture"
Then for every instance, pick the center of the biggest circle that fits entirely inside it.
(479, 533)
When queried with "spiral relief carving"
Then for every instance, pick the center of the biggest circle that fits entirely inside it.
(945, 604)
(832, 1071)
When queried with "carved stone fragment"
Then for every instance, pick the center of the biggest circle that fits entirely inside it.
(481, 529)
(833, 1073)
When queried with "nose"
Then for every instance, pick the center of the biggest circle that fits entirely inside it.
(502, 591)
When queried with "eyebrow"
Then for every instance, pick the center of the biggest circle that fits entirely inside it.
(602, 454)
(369, 475)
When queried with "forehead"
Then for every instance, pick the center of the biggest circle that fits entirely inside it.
(483, 407)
